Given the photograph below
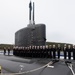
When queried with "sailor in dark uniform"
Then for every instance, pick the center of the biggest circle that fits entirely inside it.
(65, 52)
(50, 51)
(58, 51)
(8, 50)
(47, 55)
(35, 52)
(69, 52)
(32, 51)
(26, 51)
(43, 51)
(20, 51)
(23, 51)
(40, 48)
(74, 52)
(29, 50)
(54, 51)
(13, 50)
(17, 51)
(40, 51)
(4, 50)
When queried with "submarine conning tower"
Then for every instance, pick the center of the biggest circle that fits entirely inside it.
(33, 34)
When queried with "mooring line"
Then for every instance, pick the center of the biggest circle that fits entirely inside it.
(48, 64)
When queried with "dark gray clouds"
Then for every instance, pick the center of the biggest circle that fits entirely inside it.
(58, 15)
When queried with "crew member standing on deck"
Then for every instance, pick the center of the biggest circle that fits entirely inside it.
(29, 50)
(40, 51)
(38, 48)
(50, 51)
(24, 51)
(8, 50)
(47, 55)
(58, 51)
(14, 49)
(4, 50)
(32, 51)
(43, 52)
(54, 51)
(74, 52)
(35, 51)
(18, 51)
(65, 52)
(69, 52)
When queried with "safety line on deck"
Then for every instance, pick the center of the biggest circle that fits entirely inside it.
(48, 64)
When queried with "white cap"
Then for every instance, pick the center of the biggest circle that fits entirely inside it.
(58, 45)
(53, 46)
(40, 47)
(43, 47)
(47, 46)
(37, 47)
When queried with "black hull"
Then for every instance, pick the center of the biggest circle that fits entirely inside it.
(32, 66)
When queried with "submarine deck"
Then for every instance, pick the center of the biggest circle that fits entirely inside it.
(32, 66)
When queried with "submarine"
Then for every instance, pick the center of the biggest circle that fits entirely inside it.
(33, 34)
(31, 55)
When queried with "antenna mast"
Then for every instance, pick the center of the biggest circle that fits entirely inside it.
(30, 9)
(33, 14)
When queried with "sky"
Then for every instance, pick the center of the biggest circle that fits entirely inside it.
(57, 15)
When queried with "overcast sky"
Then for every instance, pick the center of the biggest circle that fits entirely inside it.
(57, 15)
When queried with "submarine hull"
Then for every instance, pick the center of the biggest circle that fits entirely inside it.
(32, 66)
